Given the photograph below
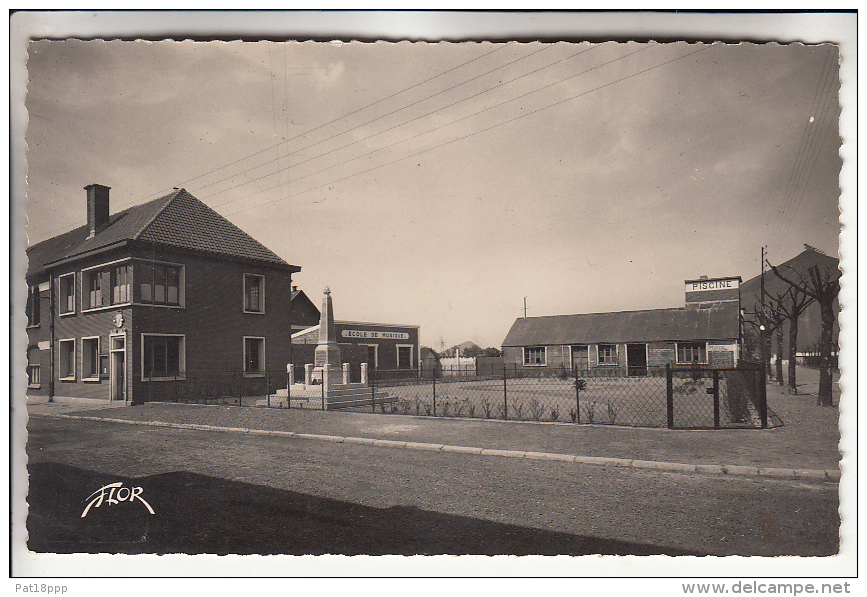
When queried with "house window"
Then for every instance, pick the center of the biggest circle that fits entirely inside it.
(691, 352)
(66, 359)
(33, 306)
(404, 356)
(254, 355)
(162, 357)
(90, 358)
(254, 293)
(107, 285)
(535, 356)
(121, 281)
(607, 354)
(160, 283)
(34, 376)
(66, 301)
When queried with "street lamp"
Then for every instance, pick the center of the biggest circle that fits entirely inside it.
(763, 350)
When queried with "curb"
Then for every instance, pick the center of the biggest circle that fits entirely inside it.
(674, 467)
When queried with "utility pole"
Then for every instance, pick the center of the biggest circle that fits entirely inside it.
(525, 307)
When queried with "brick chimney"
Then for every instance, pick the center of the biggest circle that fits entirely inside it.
(97, 208)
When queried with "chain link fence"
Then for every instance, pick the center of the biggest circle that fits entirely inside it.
(682, 398)
(673, 397)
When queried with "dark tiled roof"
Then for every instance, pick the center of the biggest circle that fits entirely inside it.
(123, 225)
(187, 222)
(177, 219)
(717, 322)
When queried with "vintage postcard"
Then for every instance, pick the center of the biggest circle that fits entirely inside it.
(552, 293)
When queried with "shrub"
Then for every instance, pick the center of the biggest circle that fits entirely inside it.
(472, 410)
(590, 411)
(519, 411)
(486, 406)
(573, 415)
(554, 414)
(459, 406)
(446, 406)
(612, 414)
(536, 409)
(427, 409)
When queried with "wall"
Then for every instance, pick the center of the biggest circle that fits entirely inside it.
(213, 320)
(720, 353)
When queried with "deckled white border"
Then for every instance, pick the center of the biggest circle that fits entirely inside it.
(431, 26)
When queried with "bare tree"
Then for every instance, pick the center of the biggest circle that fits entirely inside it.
(823, 286)
(791, 304)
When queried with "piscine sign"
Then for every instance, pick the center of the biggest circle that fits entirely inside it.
(720, 284)
(372, 335)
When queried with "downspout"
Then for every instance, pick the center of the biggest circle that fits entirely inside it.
(51, 305)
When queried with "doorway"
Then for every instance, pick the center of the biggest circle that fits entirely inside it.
(117, 368)
(636, 359)
(581, 358)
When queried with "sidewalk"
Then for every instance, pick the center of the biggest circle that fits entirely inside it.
(808, 439)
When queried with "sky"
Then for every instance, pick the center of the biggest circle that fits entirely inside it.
(439, 184)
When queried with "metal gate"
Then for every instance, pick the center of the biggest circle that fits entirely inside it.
(699, 398)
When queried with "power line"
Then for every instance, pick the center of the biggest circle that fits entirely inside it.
(339, 118)
(413, 120)
(414, 136)
(387, 115)
(479, 131)
(805, 155)
(379, 101)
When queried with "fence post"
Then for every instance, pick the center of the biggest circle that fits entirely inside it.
(763, 399)
(577, 396)
(716, 399)
(322, 391)
(290, 379)
(372, 393)
(505, 399)
(240, 387)
(267, 390)
(669, 395)
(435, 395)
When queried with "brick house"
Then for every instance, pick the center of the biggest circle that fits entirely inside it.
(152, 301)
(706, 331)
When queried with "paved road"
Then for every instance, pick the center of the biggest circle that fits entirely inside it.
(216, 492)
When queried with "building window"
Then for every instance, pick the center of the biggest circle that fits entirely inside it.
(66, 301)
(691, 352)
(162, 357)
(34, 376)
(66, 359)
(404, 356)
(90, 358)
(254, 293)
(106, 285)
(33, 306)
(607, 354)
(254, 355)
(160, 283)
(535, 356)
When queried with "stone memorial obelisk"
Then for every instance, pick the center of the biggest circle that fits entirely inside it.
(328, 365)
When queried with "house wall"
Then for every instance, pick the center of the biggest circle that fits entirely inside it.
(720, 353)
(212, 321)
(39, 340)
(361, 333)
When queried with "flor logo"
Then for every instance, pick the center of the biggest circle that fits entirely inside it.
(115, 493)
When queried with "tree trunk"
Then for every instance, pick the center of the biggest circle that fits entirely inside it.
(778, 364)
(793, 352)
(825, 381)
